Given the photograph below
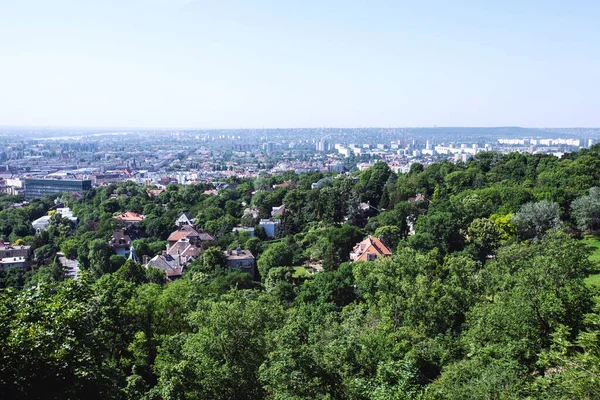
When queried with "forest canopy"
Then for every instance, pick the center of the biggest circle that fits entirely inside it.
(489, 291)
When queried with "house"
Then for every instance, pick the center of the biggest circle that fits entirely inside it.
(239, 229)
(242, 260)
(369, 249)
(121, 241)
(277, 211)
(130, 218)
(14, 256)
(321, 182)
(225, 185)
(253, 212)
(42, 223)
(7, 250)
(270, 226)
(418, 197)
(285, 184)
(196, 237)
(172, 266)
(185, 219)
(167, 180)
(154, 192)
(185, 249)
(176, 258)
(8, 262)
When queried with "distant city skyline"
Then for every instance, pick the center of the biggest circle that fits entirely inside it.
(272, 64)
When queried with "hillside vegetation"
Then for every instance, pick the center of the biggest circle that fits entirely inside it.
(490, 291)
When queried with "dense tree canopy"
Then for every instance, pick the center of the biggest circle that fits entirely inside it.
(485, 296)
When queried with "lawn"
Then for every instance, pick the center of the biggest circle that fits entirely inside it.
(300, 272)
(593, 241)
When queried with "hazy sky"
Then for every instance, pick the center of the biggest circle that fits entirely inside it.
(310, 63)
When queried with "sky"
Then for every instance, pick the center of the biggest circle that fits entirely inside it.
(290, 63)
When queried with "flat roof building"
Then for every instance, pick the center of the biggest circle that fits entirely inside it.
(35, 188)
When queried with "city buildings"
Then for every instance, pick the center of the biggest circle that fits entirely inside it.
(39, 187)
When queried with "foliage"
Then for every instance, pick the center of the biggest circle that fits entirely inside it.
(487, 299)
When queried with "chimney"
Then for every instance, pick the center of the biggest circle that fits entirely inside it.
(146, 259)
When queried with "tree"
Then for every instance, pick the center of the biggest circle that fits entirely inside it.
(276, 255)
(220, 360)
(485, 235)
(586, 210)
(51, 347)
(390, 235)
(99, 257)
(534, 292)
(45, 254)
(253, 244)
(69, 248)
(133, 272)
(155, 275)
(214, 259)
(572, 365)
(533, 219)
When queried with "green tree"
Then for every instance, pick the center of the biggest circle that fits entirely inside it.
(99, 257)
(276, 255)
(214, 259)
(221, 359)
(390, 235)
(533, 219)
(586, 210)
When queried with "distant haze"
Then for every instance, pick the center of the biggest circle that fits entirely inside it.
(255, 64)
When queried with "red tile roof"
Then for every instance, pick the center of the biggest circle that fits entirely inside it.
(186, 231)
(130, 217)
(370, 245)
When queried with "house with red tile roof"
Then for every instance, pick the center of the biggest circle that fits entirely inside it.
(196, 237)
(130, 218)
(369, 249)
(154, 192)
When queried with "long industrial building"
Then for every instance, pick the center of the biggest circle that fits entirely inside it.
(35, 188)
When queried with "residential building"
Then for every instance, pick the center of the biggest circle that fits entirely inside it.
(242, 260)
(185, 249)
(121, 242)
(9, 251)
(270, 226)
(184, 219)
(369, 249)
(172, 266)
(239, 229)
(154, 192)
(42, 223)
(8, 262)
(320, 183)
(130, 218)
(253, 212)
(277, 211)
(196, 237)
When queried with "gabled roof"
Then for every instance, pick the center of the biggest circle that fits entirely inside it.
(277, 211)
(185, 217)
(154, 192)
(184, 248)
(188, 231)
(130, 217)
(120, 240)
(371, 245)
(167, 263)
